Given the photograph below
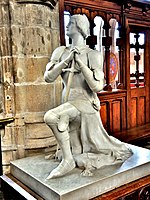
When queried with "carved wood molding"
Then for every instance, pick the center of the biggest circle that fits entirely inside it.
(100, 5)
(50, 3)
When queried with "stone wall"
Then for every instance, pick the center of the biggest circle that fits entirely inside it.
(28, 35)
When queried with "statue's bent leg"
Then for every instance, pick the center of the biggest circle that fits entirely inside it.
(75, 139)
(67, 163)
(53, 120)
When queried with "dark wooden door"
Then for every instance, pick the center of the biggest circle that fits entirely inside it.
(138, 95)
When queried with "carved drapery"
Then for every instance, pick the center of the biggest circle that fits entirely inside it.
(50, 3)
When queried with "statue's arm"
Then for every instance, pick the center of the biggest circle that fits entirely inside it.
(93, 74)
(55, 66)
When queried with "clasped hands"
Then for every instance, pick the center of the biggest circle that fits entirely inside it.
(74, 55)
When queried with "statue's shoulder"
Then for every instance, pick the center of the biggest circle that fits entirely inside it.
(96, 64)
(57, 53)
(94, 53)
(95, 58)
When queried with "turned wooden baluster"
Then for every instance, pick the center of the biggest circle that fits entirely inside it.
(107, 42)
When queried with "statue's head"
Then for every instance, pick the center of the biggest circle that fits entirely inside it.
(83, 24)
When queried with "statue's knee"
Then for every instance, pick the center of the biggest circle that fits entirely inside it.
(50, 118)
(63, 123)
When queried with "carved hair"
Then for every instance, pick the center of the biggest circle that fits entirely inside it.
(83, 24)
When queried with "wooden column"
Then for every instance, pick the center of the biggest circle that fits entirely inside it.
(107, 41)
(61, 19)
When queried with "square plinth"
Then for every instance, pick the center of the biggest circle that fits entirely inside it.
(32, 171)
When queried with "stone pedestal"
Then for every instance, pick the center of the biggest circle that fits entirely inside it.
(32, 171)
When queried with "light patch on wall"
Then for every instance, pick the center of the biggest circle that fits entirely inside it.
(19, 73)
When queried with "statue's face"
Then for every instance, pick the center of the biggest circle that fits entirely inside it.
(71, 28)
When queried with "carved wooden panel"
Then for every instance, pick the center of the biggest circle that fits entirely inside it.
(95, 5)
(141, 114)
(116, 115)
(113, 110)
(103, 114)
(133, 112)
(138, 107)
(138, 98)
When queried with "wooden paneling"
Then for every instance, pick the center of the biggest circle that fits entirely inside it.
(96, 4)
(141, 109)
(133, 112)
(113, 110)
(103, 114)
(138, 135)
(138, 98)
(116, 116)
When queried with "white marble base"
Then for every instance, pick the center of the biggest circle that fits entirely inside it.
(32, 171)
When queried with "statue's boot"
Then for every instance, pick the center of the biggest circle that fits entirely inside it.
(63, 168)
(68, 163)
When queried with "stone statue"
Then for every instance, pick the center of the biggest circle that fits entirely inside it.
(76, 123)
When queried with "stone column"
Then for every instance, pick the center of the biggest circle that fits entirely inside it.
(29, 33)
